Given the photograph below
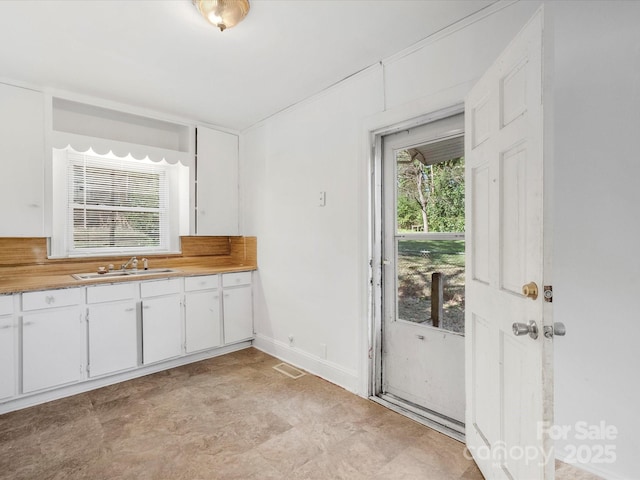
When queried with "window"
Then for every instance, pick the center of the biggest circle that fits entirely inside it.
(116, 204)
(104, 204)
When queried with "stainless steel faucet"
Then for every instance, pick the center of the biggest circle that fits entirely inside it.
(133, 261)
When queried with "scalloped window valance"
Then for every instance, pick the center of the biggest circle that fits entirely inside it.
(103, 146)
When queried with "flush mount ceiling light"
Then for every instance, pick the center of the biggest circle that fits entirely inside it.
(223, 13)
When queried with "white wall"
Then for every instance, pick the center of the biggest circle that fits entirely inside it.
(311, 259)
(596, 260)
(312, 280)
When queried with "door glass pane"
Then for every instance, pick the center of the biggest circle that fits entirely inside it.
(420, 262)
(430, 202)
(429, 196)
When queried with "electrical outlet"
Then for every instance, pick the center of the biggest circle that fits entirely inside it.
(322, 199)
(291, 340)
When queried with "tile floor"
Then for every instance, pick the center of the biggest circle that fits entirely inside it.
(231, 417)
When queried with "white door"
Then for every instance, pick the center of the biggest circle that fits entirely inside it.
(237, 314)
(217, 182)
(8, 364)
(202, 320)
(52, 344)
(22, 150)
(422, 368)
(113, 337)
(509, 378)
(161, 328)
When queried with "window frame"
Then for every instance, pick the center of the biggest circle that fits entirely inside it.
(120, 166)
(177, 184)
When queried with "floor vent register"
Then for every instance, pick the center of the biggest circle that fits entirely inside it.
(289, 371)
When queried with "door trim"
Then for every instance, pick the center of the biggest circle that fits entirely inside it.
(435, 421)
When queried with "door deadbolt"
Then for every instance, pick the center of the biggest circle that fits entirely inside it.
(530, 290)
(558, 330)
(530, 329)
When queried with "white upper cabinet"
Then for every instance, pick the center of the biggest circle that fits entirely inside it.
(22, 157)
(217, 183)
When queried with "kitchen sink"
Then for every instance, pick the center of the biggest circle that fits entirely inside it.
(123, 273)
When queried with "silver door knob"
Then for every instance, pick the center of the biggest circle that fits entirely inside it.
(558, 329)
(530, 329)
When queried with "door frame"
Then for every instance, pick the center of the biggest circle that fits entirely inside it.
(376, 267)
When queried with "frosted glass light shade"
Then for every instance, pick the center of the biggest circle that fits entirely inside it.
(223, 13)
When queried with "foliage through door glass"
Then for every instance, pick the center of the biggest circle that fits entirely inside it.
(430, 199)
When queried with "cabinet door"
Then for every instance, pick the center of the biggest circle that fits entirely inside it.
(113, 337)
(217, 183)
(238, 314)
(202, 320)
(161, 328)
(51, 348)
(8, 365)
(22, 154)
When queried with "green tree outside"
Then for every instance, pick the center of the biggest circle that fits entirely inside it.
(430, 197)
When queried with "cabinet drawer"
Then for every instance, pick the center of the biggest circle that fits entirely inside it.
(52, 298)
(233, 279)
(6, 304)
(160, 287)
(111, 293)
(205, 282)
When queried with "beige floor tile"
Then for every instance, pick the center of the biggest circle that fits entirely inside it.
(230, 417)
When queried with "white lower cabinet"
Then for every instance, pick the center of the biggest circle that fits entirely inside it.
(203, 328)
(161, 320)
(237, 307)
(112, 320)
(51, 348)
(53, 341)
(8, 350)
(57, 338)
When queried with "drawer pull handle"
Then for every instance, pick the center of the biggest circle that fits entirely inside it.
(6, 327)
(26, 324)
(129, 309)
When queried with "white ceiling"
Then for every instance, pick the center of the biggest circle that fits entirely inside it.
(163, 55)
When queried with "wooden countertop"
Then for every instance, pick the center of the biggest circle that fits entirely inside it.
(25, 267)
(26, 282)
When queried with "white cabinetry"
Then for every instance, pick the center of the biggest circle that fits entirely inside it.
(70, 340)
(161, 320)
(203, 328)
(217, 182)
(237, 307)
(8, 350)
(112, 320)
(52, 338)
(22, 154)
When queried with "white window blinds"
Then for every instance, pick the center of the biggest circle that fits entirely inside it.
(116, 205)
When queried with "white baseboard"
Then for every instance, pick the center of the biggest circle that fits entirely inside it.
(334, 373)
(29, 400)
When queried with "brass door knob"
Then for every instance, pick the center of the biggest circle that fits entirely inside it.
(530, 290)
